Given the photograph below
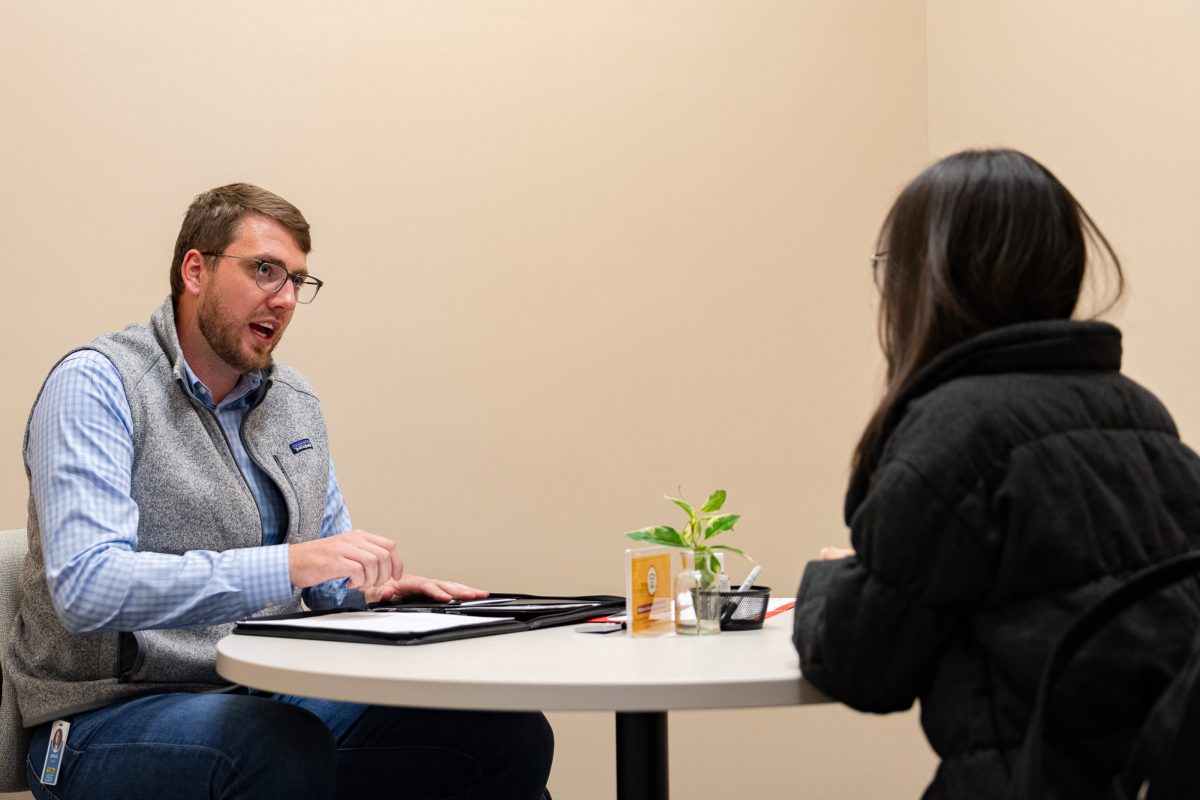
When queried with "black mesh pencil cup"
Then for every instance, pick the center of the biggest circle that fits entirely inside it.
(744, 611)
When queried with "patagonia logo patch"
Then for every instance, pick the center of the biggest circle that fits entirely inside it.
(301, 446)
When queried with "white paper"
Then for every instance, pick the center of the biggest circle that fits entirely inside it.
(379, 622)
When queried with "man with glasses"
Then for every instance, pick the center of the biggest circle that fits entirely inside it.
(180, 479)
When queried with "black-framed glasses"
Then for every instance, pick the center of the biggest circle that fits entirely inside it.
(271, 277)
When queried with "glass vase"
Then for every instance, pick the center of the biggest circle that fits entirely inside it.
(697, 596)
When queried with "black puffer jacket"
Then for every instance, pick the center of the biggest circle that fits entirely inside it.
(1022, 477)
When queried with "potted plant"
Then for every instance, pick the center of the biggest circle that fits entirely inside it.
(696, 589)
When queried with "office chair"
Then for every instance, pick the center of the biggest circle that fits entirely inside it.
(14, 739)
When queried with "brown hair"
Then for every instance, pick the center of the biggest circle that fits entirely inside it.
(212, 221)
(980, 240)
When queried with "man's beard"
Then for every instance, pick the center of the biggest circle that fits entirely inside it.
(224, 336)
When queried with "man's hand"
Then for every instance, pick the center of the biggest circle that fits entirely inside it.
(442, 591)
(366, 559)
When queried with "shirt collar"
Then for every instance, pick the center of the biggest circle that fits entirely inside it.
(247, 383)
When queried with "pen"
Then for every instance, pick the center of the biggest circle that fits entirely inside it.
(732, 605)
(746, 584)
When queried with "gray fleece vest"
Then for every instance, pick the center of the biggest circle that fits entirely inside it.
(190, 496)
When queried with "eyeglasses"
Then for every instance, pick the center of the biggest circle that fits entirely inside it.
(271, 277)
(876, 260)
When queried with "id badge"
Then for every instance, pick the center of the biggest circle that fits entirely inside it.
(54, 751)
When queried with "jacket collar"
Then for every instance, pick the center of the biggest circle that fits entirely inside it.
(1043, 346)
(162, 321)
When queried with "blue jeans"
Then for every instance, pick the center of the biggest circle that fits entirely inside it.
(247, 744)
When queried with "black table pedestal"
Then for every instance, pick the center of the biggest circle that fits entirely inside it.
(642, 772)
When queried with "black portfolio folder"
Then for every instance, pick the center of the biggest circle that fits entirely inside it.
(500, 612)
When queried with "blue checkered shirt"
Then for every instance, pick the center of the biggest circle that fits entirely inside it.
(80, 457)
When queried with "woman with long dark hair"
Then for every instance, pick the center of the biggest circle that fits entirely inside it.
(1009, 477)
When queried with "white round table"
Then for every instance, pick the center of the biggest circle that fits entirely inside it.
(556, 669)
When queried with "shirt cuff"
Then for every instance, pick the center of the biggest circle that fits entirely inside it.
(334, 594)
(267, 576)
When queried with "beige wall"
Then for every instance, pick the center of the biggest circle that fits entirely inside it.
(1105, 94)
(579, 254)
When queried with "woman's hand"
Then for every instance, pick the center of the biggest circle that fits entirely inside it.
(834, 553)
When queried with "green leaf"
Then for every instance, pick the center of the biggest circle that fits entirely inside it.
(693, 534)
(725, 522)
(682, 504)
(734, 550)
(658, 534)
(715, 501)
